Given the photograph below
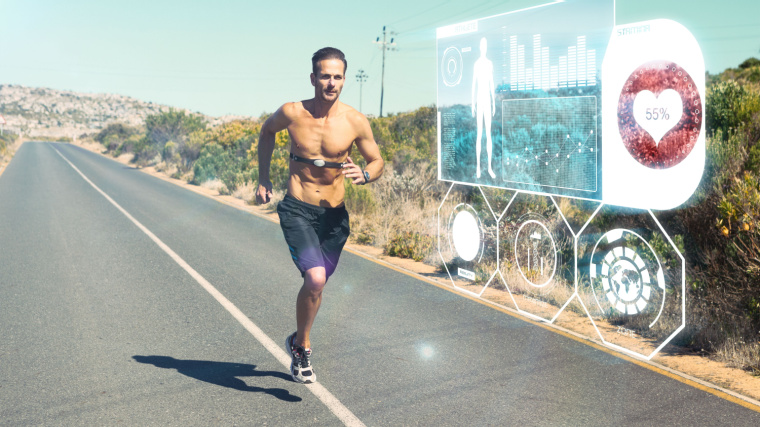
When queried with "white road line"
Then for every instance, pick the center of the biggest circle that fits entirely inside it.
(332, 403)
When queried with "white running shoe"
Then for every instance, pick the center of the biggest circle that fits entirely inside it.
(300, 361)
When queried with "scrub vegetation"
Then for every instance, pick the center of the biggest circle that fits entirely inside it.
(717, 230)
(7, 139)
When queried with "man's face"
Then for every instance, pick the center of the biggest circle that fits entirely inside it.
(328, 82)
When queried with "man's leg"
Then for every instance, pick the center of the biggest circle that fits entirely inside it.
(307, 304)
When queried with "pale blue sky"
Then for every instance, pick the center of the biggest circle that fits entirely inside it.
(248, 57)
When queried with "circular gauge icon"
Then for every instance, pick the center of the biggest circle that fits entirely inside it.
(660, 114)
(621, 271)
(535, 253)
(626, 281)
(451, 66)
(466, 237)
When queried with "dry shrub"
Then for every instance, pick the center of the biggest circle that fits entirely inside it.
(403, 201)
(246, 192)
(216, 185)
(168, 168)
(560, 293)
(410, 244)
(277, 196)
(740, 354)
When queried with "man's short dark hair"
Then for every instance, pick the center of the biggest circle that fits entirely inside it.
(328, 53)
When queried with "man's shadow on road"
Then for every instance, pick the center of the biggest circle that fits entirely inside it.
(221, 373)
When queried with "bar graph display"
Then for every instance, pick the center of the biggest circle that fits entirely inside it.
(530, 86)
(575, 69)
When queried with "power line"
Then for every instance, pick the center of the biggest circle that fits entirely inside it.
(472, 10)
(424, 11)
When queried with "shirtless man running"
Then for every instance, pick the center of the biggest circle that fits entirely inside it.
(312, 214)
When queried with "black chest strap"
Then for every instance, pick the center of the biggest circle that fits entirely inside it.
(317, 162)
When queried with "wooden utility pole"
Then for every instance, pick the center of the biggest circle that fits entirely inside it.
(361, 77)
(384, 45)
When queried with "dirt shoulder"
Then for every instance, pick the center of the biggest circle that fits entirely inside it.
(679, 363)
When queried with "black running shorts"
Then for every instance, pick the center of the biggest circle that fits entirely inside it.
(315, 234)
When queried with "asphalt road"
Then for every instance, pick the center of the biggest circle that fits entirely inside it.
(100, 326)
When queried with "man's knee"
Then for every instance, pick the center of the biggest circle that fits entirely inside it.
(315, 279)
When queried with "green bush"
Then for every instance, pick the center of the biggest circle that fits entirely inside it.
(730, 105)
(115, 134)
(407, 137)
(237, 136)
(726, 156)
(359, 199)
(145, 152)
(739, 217)
(130, 145)
(190, 149)
(169, 151)
(172, 125)
(215, 162)
(410, 244)
(364, 235)
(6, 140)
(111, 142)
(279, 169)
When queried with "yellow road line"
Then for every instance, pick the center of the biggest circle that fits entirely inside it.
(670, 373)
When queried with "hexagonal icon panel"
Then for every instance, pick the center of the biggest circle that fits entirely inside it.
(467, 238)
(631, 280)
(536, 247)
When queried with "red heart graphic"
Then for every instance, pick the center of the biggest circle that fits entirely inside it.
(676, 144)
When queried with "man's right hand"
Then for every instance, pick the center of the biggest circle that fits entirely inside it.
(264, 193)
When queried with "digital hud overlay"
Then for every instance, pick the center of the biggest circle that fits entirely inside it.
(551, 142)
(519, 98)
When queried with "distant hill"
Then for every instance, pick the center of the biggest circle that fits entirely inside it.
(37, 112)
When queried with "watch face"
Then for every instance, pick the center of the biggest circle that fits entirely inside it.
(366, 177)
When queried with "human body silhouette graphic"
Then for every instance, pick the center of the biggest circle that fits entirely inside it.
(483, 103)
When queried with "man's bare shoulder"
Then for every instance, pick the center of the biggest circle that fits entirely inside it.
(354, 117)
(286, 115)
(292, 110)
(298, 110)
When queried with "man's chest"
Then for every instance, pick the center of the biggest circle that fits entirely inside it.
(324, 138)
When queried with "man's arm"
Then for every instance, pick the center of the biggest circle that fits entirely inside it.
(275, 123)
(368, 148)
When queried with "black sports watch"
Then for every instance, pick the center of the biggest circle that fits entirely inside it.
(366, 177)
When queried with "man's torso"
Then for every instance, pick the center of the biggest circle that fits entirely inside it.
(328, 138)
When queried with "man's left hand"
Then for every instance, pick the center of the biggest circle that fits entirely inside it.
(353, 172)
